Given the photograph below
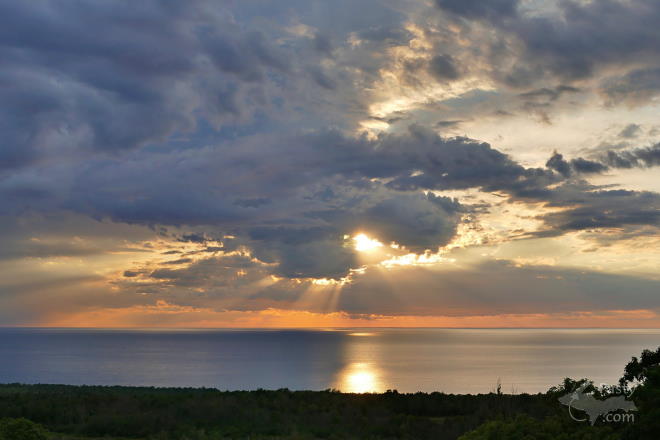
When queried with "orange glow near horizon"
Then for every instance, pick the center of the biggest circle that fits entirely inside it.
(167, 315)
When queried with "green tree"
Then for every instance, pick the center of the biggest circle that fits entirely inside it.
(528, 428)
(638, 368)
(646, 372)
(21, 429)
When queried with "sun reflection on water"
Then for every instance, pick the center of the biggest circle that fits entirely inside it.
(360, 377)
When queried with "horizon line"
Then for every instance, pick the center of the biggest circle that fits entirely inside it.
(322, 328)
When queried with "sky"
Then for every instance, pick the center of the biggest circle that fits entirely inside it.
(309, 163)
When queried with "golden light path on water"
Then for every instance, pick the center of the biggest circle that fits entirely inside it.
(363, 374)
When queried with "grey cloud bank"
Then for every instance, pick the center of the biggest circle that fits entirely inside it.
(193, 122)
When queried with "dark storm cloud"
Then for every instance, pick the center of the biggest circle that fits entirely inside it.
(443, 68)
(323, 44)
(637, 158)
(578, 165)
(546, 94)
(566, 44)
(644, 157)
(448, 123)
(592, 208)
(134, 191)
(326, 192)
(423, 160)
(292, 198)
(417, 221)
(303, 251)
(329, 258)
(195, 237)
(575, 43)
(322, 79)
(634, 88)
(586, 166)
(390, 34)
(557, 163)
(245, 56)
(252, 203)
(113, 76)
(154, 85)
(477, 9)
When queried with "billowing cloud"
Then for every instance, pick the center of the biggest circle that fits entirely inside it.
(474, 9)
(598, 208)
(443, 68)
(218, 157)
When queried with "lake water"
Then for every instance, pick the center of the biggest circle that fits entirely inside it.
(356, 360)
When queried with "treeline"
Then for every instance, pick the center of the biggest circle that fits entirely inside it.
(68, 412)
(176, 413)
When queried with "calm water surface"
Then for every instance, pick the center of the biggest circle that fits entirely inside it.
(359, 360)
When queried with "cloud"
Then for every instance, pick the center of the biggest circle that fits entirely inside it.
(322, 79)
(645, 157)
(574, 44)
(237, 144)
(493, 287)
(418, 222)
(475, 9)
(443, 68)
(636, 87)
(329, 258)
(295, 212)
(562, 44)
(578, 165)
(133, 189)
(590, 209)
(631, 131)
(587, 207)
(448, 124)
(486, 288)
(85, 78)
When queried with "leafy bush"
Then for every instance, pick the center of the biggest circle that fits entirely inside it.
(21, 429)
(527, 428)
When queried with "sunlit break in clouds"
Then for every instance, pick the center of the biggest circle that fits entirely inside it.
(366, 244)
(307, 164)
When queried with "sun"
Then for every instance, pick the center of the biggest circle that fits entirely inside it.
(366, 244)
